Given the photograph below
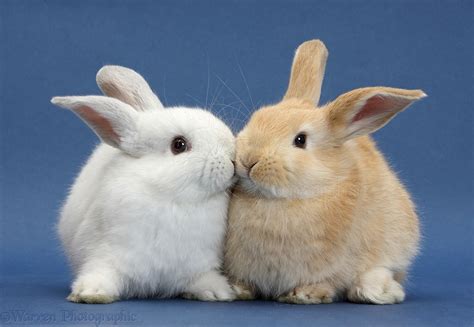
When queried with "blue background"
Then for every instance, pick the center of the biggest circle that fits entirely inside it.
(194, 53)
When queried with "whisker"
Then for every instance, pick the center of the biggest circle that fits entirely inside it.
(246, 84)
(164, 92)
(231, 91)
(223, 105)
(195, 99)
(241, 113)
(238, 109)
(208, 79)
(234, 123)
(216, 95)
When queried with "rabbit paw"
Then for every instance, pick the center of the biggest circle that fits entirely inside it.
(243, 292)
(377, 286)
(93, 289)
(309, 294)
(210, 286)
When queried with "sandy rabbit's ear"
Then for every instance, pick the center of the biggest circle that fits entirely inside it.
(128, 86)
(307, 72)
(113, 121)
(363, 111)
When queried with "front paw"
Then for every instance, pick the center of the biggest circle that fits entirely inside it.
(210, 286)
(377, 286)
(309, 294)
(93, 290)
(243, 292)
(91, 297)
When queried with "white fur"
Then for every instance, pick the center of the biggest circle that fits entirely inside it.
(151, 223)
(127, 86)
(377, 286)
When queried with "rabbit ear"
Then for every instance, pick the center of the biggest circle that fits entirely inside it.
(112, 120)
(128, 86)
(363, 111)
(307, 72)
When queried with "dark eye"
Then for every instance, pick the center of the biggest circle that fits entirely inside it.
(300, 141)
(179, 145)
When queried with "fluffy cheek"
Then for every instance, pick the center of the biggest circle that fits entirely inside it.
(218, 172)
(302, 176)
(309, 177)
(270, 172)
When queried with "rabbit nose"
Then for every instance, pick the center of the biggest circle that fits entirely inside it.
(252, 165)
(249, 166)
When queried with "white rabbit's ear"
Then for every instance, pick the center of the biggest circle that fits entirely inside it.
(113, 121)
(307, 71)
(128, 86)
(363, 111)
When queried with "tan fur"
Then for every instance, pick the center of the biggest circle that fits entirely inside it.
(333, 214)
(309, 294)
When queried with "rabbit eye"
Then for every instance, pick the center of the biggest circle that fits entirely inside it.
(300, 141)
(179, 145)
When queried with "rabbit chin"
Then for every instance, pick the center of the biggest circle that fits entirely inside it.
(273, 192)
(215, 186)
(217, 175)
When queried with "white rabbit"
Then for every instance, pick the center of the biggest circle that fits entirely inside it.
(147, 214)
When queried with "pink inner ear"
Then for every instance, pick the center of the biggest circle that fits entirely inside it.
(379, 104)
(100, 124)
